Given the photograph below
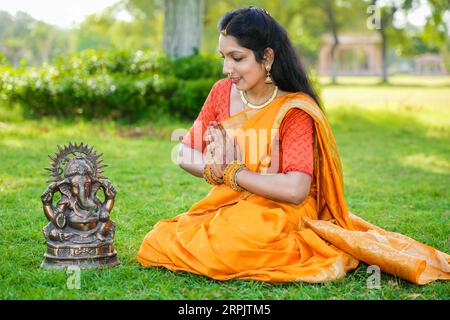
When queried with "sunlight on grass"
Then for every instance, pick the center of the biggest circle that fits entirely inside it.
(432, 163)
(15, 143)
(391, 97)
(406, 80)
(429, 106)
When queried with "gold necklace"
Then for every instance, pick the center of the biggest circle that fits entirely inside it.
(258, 106)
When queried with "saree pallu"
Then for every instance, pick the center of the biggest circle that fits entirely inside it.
(230, 234)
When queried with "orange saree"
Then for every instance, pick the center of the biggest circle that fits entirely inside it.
(230, 234)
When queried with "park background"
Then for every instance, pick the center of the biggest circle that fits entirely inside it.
(124, 78)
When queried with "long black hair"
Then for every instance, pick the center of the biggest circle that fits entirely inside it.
(256, 30)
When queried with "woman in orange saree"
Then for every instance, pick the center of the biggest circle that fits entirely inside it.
(246, 229)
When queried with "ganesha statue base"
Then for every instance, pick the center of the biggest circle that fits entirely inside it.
(95, 255)
(81, 250)
(80, 232)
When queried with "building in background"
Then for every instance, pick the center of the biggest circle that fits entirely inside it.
(356, 55)
(430, 64)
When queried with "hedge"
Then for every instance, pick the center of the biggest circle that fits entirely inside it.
(112, 84)
(118, 85)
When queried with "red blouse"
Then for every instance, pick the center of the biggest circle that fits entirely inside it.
(296, 130)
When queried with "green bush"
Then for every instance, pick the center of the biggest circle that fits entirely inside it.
(197, 67)
(117, 85)
(113, 84)
(124, 62)
(185, 101)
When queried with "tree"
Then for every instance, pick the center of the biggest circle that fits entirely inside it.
(329, 8)
(147, 28)
(183, 23)
(387, 10)
(436, 30)
(23, 37)
(286, 12)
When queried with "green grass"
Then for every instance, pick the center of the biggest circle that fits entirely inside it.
(396, 80)
(397, 174)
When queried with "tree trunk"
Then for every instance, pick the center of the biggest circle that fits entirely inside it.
(384, 58)
(333, 59)
(333, 25)
(183, 21)
(387, 16)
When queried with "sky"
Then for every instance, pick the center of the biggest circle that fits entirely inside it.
(64, 13)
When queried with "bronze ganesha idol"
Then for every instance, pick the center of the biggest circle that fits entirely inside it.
(80, 231)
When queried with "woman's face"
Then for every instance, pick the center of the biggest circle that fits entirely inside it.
(240, 64)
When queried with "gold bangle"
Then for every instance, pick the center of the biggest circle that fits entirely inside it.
(219, 180)
(229, 175)
(227, 172)
(236, 186)
(210, 176)
(207, 175)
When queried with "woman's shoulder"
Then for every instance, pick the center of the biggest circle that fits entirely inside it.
(296, 115)
(302, 101)
(296, 122)
(295, 96)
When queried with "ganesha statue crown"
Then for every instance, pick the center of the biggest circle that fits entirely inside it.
(80, 231)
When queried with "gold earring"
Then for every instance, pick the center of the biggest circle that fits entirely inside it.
(268, 76)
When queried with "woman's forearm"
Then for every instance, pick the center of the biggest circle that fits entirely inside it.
(191, 160)
(291, 187)
(194, 169)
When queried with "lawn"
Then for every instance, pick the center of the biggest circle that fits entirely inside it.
(396, 159)
(396, 80)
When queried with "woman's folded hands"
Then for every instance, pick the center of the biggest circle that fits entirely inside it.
(221, 148)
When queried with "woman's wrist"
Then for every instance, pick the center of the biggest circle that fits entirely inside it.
(230, 175)
(240, 174)
(218, 170)
(210, 176)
